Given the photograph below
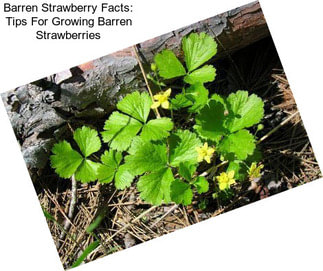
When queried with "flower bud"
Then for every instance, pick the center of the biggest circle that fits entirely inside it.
(260, 127)
(153, 67)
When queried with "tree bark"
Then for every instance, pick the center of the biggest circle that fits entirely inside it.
(233, 30)
(86, 94)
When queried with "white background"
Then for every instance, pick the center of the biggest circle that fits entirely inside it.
(283, 232)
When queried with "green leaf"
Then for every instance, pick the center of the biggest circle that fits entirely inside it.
(65, 160)
(244, 110)
(238, 145)
(220, 99)
(123, 178)
(149, 156)
(201, 184)
(182, 147)
(180, 101)
(111, 158)
(136, 105)
(198, 48)
(210, 121)
(157, 129)
(202, 75)
(199, 95)
(186, 170)
(96, 222)
(110, 162)
(154, 188)
(87, 172)
(120, 130)
(203, 204)
(88, 140)
(48, 215)
(181, 192)
(168, 65)
(105, 174)
(85, 253)
(195, 96)
(240, 170)
(136, 143)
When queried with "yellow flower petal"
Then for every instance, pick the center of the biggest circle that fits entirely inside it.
(207, 159)
(210, 151)
(206, 152)
(165, 104)
(155, 105)
(168, 92)
(221, 177)
(200, 158)
(255, 171)
(231, 181)
(223, 186)
(157, 96)
(226, 179)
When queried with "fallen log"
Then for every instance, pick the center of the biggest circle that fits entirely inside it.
(233, 30)
(40, 111)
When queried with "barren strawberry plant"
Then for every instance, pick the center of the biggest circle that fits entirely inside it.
(157, 152)
(178, 144)
(172, 160)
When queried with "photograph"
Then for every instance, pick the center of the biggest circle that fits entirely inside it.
(161, 135)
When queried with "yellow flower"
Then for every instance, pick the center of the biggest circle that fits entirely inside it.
(226, 179)
(205, 153)
(161, 99)
(254, 171)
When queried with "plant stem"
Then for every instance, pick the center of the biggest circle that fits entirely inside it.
(213, 168)
(172, 114)
(145, 78)
(164, 215)
(157, 78)
(67, 223)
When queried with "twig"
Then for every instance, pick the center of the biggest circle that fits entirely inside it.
(126, 226)
(213, 169)
(67, 233)
(130, 223)
(57, 206)
(145, 77)
(277, 127)
(67, 222)
(164, 215)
